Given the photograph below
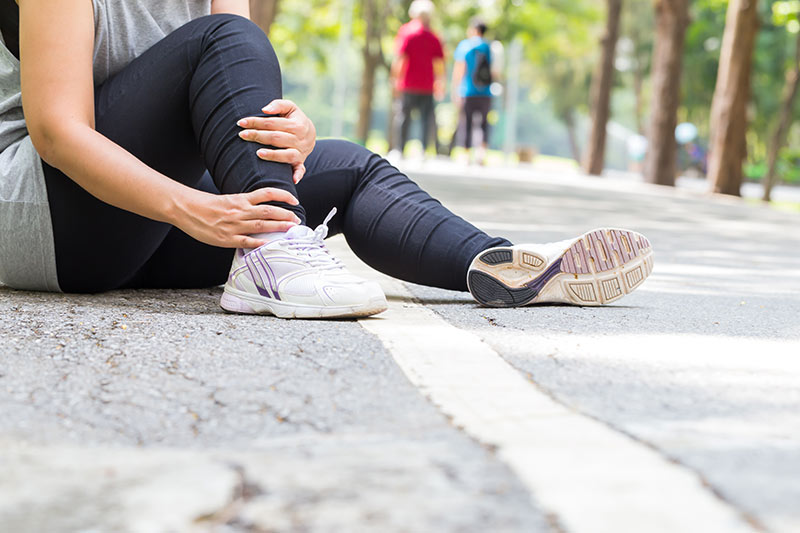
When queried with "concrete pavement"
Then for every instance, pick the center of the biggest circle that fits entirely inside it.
(154, 411)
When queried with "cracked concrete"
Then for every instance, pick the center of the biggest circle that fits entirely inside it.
(315, 414)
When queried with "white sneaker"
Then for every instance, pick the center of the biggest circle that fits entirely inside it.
(596, 268)
(295, 276)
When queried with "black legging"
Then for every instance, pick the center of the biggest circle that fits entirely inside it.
(175, 108)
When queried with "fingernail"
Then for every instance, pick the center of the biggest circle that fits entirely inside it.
(268, 109)
(262, 153)
(243, 123)
(244, 134)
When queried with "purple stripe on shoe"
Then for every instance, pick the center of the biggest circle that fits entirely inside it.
(273, 280)
(545, 276)
(256, 275)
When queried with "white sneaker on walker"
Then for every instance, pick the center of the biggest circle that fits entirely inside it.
(295, 276)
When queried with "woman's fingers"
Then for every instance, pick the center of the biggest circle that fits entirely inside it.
(278, 139)
(286, 125)
(245, 241)
(271, 212)
(287, 155)
(251, 227)
(270, 194)
(299, 172)
(279, 107)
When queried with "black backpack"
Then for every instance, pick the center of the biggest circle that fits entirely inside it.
(9, 25)
(482, 76)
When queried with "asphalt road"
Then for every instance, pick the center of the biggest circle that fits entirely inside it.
(155, 411)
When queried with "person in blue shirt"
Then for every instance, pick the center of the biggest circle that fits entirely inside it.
(471, 85)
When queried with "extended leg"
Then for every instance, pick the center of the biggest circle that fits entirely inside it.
(389, 222)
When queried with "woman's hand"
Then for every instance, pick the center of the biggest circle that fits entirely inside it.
(229, 220)
(292, 132)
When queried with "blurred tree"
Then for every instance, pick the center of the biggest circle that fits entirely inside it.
(728, 147)
(373, 14)
(263, 13)
(559, 41)
(602, 83)
(672, 18)
(569, 83)
(637, 31)
(786, 14)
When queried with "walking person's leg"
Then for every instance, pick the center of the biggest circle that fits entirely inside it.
(483, 104)
(425, 119)
(433, 129)
(174, 109)
(469, 117)
(406, 111)
(459, 130)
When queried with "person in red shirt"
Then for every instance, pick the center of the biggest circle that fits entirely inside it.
(418, 72)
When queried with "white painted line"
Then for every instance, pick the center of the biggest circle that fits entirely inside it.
(594, 479)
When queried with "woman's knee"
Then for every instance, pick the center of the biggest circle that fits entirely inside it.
(340, 153)
(239, 32)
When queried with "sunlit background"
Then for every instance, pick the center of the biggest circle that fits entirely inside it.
(549, 51)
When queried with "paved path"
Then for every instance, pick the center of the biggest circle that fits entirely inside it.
(678, 406)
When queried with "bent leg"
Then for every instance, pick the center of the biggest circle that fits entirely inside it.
(175, 108)
(388, 221)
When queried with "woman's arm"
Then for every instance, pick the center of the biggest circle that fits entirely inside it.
(58, 100)
(236, 7)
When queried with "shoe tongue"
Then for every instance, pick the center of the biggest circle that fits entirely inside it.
(299, 232)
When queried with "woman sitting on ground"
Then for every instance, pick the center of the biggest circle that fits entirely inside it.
(146, 158)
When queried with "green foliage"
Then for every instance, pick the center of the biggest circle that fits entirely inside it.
(561, 48)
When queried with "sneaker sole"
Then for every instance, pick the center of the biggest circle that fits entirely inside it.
(599, 267)
(236, 301)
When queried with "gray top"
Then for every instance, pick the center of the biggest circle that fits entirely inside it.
(124, 29)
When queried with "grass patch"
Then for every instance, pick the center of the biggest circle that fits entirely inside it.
(786, 207)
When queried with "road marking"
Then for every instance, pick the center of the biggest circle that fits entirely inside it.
(594, 479)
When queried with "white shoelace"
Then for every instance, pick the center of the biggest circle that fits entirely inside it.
(313, 247)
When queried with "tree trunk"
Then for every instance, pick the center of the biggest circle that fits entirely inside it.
(728, 146)
(263, 13)
(672, 17)
(602, 83)
(365, 95)
(784, 121)
(638, 87)
(372, 56)
(569, 122)
(639, 74)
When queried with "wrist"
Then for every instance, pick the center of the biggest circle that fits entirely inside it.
(178, 205)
